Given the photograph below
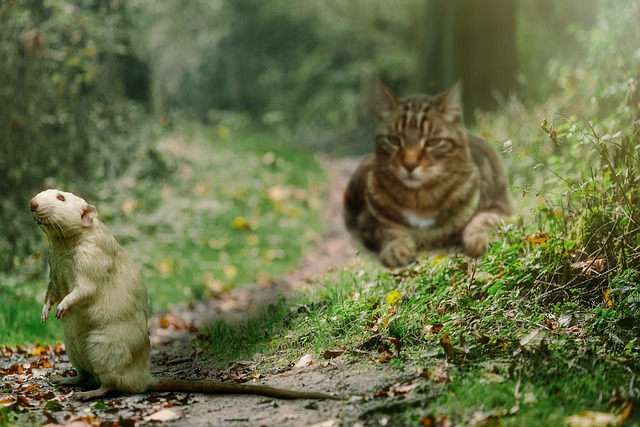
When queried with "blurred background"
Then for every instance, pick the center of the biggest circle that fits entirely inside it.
(88, 86)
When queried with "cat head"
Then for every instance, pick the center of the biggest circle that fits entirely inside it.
(420, 139)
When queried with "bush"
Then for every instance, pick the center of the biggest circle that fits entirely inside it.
(578, 169)
(64, 111)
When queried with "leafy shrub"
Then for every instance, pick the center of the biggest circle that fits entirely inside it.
(65, 115)
(578, 170)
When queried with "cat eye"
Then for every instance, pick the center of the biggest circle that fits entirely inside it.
(389, 139)
(434, 142)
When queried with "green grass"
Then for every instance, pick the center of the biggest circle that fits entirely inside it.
(20, 323)
(560, 355)
(238, 209)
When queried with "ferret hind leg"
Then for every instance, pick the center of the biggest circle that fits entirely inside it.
(92, 394)
(80, 379)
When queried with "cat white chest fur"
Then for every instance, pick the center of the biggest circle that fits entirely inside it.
(419, 221)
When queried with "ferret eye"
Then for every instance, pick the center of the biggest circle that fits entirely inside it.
(61, 197)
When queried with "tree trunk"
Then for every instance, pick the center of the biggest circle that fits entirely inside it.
(472, 41)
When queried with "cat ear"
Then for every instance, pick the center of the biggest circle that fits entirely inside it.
(89, 213)
(383, 99)
(450, 103)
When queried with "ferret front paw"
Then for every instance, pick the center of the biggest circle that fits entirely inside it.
(45, 312)
(62, 309)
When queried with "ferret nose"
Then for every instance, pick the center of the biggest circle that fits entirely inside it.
(33, 204)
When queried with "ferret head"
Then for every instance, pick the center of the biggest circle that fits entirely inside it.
(62, 215)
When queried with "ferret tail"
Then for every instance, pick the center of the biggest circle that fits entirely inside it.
(217, 387)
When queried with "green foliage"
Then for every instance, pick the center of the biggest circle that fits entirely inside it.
(298, 66)
(580, 167)
(64, 114)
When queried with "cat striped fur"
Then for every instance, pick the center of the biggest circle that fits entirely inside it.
(429, 183)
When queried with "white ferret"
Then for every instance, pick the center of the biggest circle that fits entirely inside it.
(102, 305)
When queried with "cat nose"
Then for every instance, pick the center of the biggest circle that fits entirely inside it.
(410, 166)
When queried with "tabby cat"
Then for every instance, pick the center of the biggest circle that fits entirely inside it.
(429, 182)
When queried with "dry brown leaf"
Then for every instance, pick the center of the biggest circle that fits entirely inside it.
(172, 321)
(447, 346)
(439, 421)
(537, 238)
(590, 267)
(437, 374)
(128, 206)
(7, 400)
(405, 388)
(332, 354)
(399, 388)
(432, 329)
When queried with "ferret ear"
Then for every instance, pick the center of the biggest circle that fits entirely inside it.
(89, 213)
(450, 103)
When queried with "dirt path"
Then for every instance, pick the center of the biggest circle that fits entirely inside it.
(172, 353)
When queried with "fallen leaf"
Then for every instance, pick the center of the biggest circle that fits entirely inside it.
(590, 267)
(439, 421)
(172, 321)
(39, 350)
(437, 374)
(7, 400)
(332, 354)
(537, 238)
(594, 419)
(385, 358)
(432, 329)
(397, 345)
(305, 360)
(163, 415)
(41, 363)
(230, 271)
(128, 206)
(242, 224)
(405, 387)
(164, 267)
(449, 350)
(533, 339)
(399, 388)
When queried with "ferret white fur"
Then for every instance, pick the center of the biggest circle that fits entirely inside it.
(102, 305)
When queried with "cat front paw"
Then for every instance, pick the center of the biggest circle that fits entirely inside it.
(475, 237)
(398, 253)
(475, 243)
